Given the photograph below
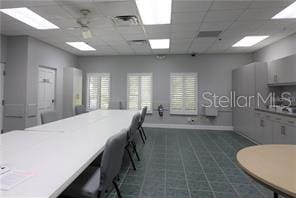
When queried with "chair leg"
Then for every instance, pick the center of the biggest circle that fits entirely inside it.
(99, 194)
(131, 158)
(135, 150)
(117, 189)
(143, 132)
(141, 135)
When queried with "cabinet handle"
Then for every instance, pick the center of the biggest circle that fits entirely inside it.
(283, 130)
(261, 123)
(275, 78)
(278, 118)
(291, 122)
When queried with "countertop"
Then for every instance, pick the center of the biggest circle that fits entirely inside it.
(283, 113)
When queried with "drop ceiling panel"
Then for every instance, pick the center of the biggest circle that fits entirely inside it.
(187, 17)
(116, 8)
(151, 29)
(202, 44)
(25, 3)
(259, 14)
(230, 5)
(222, 15)
(191, 6)
(51, 12)
(235, 18)
(271, 4)
(212, 26)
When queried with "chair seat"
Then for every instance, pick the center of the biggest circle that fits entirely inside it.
(86, 185)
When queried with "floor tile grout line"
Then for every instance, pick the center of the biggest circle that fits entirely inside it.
(186, 178)
(239, 168)
(221, 167)
(145, 171)
(203, 171)
(165, 169)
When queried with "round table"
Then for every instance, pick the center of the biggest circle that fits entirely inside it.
(271, 165)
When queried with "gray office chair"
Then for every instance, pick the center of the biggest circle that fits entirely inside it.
(141, 121)
(80, 109)
(131, 135)
(95, 181)
(48, 116)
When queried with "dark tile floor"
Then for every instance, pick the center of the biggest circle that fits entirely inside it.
(189, 164)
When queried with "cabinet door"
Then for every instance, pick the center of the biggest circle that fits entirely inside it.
(259, 124)
(284, 134)
(272, 78)
(267, 131)
(282, 70)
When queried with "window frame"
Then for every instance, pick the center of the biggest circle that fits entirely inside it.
(100, 75)
(184, 111)
(149, 111)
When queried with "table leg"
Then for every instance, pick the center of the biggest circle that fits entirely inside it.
(275, 195)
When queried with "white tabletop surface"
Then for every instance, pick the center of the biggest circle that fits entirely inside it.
(56, 153)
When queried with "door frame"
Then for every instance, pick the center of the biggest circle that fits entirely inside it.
(55, 89)
(2, 70)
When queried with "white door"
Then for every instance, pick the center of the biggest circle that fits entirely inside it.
(1, 94)
(46, 90)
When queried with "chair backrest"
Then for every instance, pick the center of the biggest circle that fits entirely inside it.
(134, 126)
(48, 116)
(112, 159)
(80, 109)
(143, 115)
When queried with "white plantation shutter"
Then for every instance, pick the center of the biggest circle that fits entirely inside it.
(98, 90)
(183, 93)
(105, 89)
(133, 92)
(139, 87)
(92, 88)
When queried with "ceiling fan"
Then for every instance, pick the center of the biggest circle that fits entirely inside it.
(83, 23)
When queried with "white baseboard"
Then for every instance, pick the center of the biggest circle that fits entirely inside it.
(187, 126)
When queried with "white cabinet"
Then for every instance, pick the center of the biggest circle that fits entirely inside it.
(72, 90)
(274, 129)
(247, 81)
(284, 131)
(282, 71)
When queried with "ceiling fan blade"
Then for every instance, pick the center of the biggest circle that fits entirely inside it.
(73, 28)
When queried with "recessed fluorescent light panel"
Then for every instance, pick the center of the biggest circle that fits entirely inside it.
(82, 46)
(159, 43)
(287, 13)
(29, 17)
(249, 41)
(155, 12)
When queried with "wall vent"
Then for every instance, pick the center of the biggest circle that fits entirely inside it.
(205, 34)
(126, 20)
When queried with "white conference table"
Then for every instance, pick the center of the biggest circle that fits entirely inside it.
(58, 152)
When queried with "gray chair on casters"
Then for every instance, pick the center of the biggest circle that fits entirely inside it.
(48, 116)
(80, 109)
(131, 135)
(95, 181)
(141, 121)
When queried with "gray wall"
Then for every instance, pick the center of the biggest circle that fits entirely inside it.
(3, 50)
(214, 74)
(42, 54)
(280, 49)
(24, 56)
(15, 83)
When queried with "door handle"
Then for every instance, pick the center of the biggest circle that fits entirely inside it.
(283, 130)
(52, 101)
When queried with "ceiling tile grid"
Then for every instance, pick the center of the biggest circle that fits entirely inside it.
(234, 18)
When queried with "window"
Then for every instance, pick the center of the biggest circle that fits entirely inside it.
(98, 91)
(139, 91)
(183, 93)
